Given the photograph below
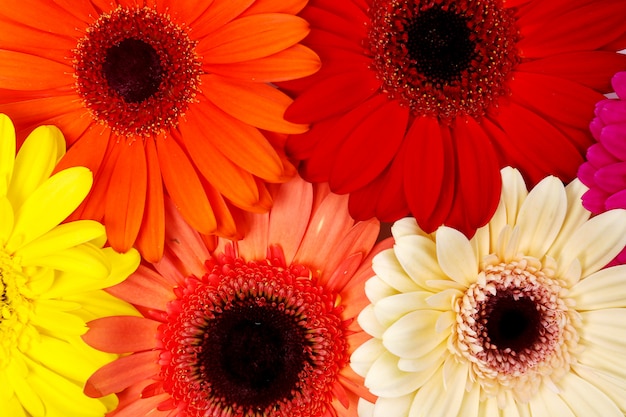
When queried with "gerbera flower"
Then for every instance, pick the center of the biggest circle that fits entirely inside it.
(51, 278)
(419, 103)
(260, 327)
(604, 172)
(521, 320)
(159, 95)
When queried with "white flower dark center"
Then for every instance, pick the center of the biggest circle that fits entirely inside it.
(514, 327)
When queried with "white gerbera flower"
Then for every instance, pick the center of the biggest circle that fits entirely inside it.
(520, 320)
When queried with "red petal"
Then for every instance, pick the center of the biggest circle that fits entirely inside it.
(369, 148)
(122, 334)
(429, 178)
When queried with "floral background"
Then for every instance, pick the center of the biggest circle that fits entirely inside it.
(317, 208)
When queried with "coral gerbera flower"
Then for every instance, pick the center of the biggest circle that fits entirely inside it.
(604, 172)
(51, 280)
(519, 320)
(159, 94)
(260, 327)
(419, 103)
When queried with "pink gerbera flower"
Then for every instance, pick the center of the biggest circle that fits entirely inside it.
(604, 172)
(259, 327)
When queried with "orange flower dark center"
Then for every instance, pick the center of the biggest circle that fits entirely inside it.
(136, 71)
(443, 58)
(133, 69)
(252, 339)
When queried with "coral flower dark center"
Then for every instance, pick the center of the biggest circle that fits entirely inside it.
(443, 58)
(252, 339)
(136, 71)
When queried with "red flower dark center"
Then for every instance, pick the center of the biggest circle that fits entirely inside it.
(443, 58)
(133, 69)
(136, 71)
(252, 339)
(512, 323)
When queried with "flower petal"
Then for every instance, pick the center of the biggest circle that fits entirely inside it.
(414, 334)
(456, 256)
(122, 334)
(586, 399)
(600, 290)
(7, 153)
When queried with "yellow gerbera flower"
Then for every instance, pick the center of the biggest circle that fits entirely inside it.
(521, 320)
(51, 280)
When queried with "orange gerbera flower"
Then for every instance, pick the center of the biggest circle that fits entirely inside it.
(262, 327)
(159, 96)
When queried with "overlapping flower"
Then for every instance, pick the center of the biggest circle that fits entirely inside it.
(419, 103)
(260, 327)
(159, 97)
(51, 280)
(519, 320)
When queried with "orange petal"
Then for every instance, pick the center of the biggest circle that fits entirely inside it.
(226, 225)
(252, 37)
(126, 196)
(30, 72)
(30, 113)
(182, 184)
(256, 104)
(295, 62)
(145, 288)
(17, 37)
(121, 334)
(275, 6)
(151, 238)
(122, 373)
(216, 16)
(43, 15)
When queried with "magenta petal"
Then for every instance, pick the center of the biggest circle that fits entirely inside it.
(593, 200)
(617, 200)
(611, 178)
(619, 84)
(598, 156)
(586, 173)
(611, 111)
(614, 140)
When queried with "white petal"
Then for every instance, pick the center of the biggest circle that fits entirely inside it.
(613, 387)
(603, 289)
(604, 360)
(406, 226)
(605, 328)
(390, 309)
(385, 379)
(435, 357)
(365, 355)
(585, 399)
(489, 408)
(439, 397)
(365, 408)
(541, 216)
(376, 289)
(548, 403)
(386, 266)
(396, 407)
(456, 256)
(414, 335)
(418, 257)
(514, 193)
(595, 243)
(481, 243)
(576, 215)
(471, 402)
(368, 322)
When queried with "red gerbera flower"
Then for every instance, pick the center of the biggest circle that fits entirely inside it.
(158, 96)
(260, 327)
(419, 103)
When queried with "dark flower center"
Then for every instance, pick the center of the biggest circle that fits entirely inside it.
(439, 42)
(132, 68)
(253, 355)
(136, 71)
(513, 323)
(443, 59)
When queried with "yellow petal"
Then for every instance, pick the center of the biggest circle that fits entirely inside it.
(49, 205)
(6, 225)
(87, 261)
(7, 153)
(61, 237)
(34, 162)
